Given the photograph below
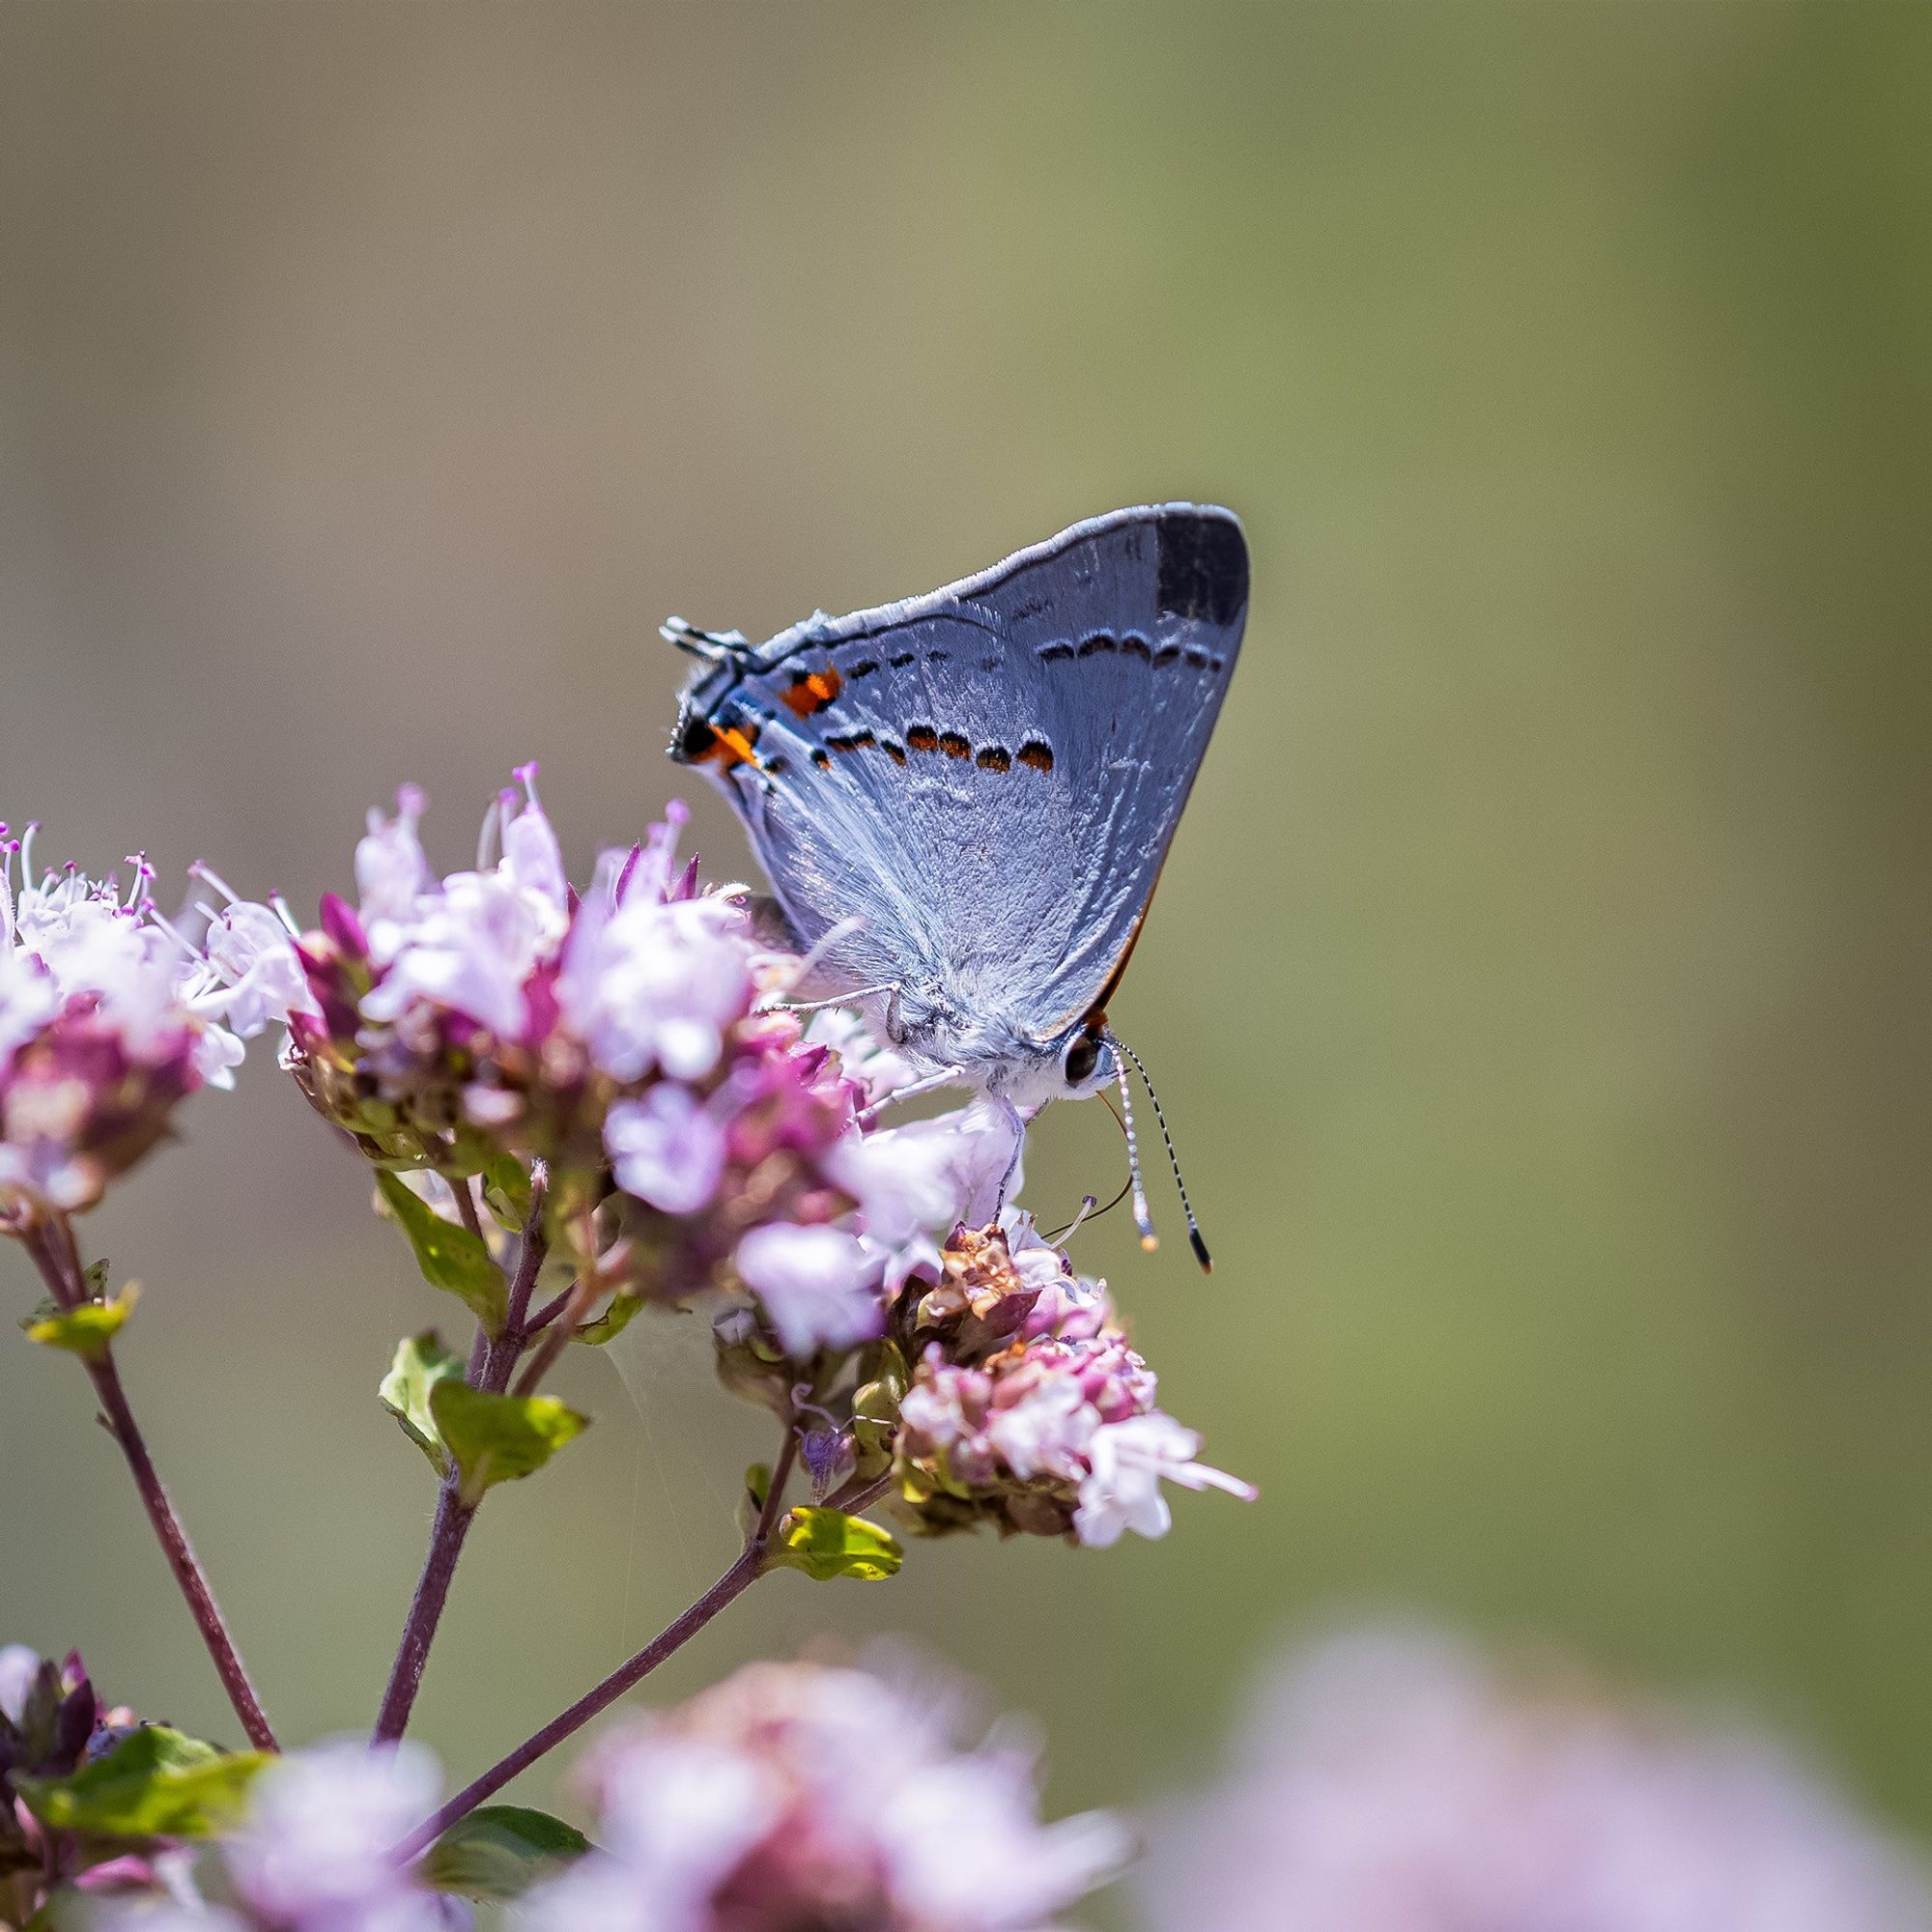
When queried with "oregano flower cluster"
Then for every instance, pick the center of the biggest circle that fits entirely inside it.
(578, 1103)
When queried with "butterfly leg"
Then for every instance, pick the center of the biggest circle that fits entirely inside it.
(925, 1084)
(1016, 1121)
(837, 1000)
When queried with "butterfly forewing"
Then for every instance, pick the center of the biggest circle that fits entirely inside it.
(987, 777)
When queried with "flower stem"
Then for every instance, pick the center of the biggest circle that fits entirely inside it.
(453, 1517)
(579, 1298)
(739, 1577)
(490, 1371)
(180, 1552)
(58, 1259)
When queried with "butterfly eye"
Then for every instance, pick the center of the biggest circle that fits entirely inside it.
(1081, 1059)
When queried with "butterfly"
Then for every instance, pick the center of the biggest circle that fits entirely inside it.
(963, 800)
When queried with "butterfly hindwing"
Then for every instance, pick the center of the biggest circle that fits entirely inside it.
(987, 777)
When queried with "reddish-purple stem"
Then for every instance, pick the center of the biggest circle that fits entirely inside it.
(490, 1371)
(59, 1264)
(739, 1577)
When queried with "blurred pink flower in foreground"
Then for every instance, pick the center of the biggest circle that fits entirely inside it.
(796, 1794)
(1393, 1783)
(315, 1851)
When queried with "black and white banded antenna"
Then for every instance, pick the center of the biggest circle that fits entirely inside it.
(1142, 1220)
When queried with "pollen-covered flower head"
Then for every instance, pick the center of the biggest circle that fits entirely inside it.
(1398, 1782)
(109, 1016)
(796, 1794)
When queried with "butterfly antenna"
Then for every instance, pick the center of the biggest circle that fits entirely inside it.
(1142, 1219)
(1194, 1240)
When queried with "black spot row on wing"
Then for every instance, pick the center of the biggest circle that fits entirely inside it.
(1036, 754)
(1132, 646)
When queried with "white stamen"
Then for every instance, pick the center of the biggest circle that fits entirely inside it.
(485, 837)
(209, 876)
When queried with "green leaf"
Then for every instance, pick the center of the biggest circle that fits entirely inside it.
(752, 1500)
(506, 1190)
(826, 1542)
(153, 1783)
(875, 1409)
(498, 1852)
(421, 1362)
(86, 1328)
(498, 1439)
(614, 1319)
(451, 1258)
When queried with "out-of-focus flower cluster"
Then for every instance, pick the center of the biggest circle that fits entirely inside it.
(795, 1795)
(1026, 1408)
(316, 1853)
(52, 1725)
(109, 1016)
(1398, 1783)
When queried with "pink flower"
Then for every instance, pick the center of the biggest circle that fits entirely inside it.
(926, 1178)
(19, 1667)
(317, 1848)
(682, 1810)
(391, 871)
(1398, 1783)
(812, 1284)
(108, 1021)
(667, 1147)
(1027, 1408)
(795, 1795)
(647, 985)
(1127, 1462)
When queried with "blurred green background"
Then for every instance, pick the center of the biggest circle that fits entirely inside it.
(1539, 985)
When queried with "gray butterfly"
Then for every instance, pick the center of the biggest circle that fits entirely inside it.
(963, 801)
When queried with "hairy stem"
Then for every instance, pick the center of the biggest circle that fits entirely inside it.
(453, 1517)
(59, 1263)
(489, 1368)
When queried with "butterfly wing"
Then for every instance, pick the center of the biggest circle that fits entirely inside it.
(987, 779)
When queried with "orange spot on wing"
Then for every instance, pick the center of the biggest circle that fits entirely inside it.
(812, 690)
(727, 745)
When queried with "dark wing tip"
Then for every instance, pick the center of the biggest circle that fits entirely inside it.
(1203, 571)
